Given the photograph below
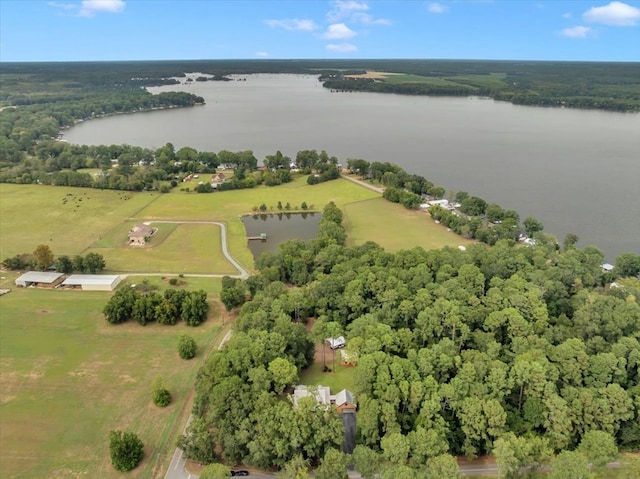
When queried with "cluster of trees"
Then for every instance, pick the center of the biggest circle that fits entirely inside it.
(43, 258)
(517, 352)
(169, 308)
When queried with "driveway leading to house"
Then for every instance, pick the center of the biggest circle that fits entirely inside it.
(363, 183)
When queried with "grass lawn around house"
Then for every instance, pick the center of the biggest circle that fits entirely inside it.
(340, 378)
(394, 227)
(67, 378)
(175, 248)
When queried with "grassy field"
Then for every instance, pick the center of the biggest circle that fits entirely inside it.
(66, 219)
(184, 248)
(394, 227)
(67, 378)
(230, 205)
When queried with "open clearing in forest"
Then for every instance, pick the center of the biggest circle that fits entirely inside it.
(394, 227)
(67, 378)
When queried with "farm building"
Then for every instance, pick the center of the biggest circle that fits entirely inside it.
(92, 282)
(39, 279)
(140, 233)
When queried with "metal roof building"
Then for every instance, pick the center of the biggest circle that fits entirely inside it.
(92, 282)
(39, 278)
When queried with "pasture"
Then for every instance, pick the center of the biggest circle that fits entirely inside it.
(67, 378)
(394, 227)
(66, 219)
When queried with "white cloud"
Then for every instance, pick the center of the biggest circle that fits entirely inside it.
(435, 7)
(344, 9)
(579, 31)
(62, 6)
(616, 14)
(89, 8)
(338, 31)
(262, 54)
(293, 24)
(566, 15)
(341, 47)
(355, 12)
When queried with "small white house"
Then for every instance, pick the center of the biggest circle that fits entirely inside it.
(607, 268)
(337, 343)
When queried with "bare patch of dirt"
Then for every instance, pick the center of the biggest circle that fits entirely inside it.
(373, 74)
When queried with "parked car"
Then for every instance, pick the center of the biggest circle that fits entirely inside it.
(239, 473)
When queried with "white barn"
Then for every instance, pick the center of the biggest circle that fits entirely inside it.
(92, 282)
(45, 279)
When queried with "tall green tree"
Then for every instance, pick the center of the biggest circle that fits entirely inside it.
(126, 450)
(366, 461)
(215, 471)
(187, 347)
(333, 466)
(570, 465)
(43, 256)
(599, 447)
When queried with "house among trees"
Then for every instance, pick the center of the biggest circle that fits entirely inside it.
(337, 343)
(140, 234)
(344, 400)
(217, 179)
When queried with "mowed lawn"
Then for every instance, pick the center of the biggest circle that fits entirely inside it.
(66, 219)
(175, 248)
(394, 227)
(229, 206)
(67, 378)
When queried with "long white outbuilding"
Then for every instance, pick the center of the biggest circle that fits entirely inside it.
(92, 282)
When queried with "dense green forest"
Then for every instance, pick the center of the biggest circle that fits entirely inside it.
(513, 351)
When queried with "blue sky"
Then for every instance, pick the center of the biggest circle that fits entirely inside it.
(71, 30)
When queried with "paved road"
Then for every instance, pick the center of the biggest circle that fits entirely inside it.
(178, 462)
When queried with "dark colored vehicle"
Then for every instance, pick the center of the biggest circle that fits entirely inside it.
(239, 473)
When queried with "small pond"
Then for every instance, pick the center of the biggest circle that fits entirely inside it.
(279, 227)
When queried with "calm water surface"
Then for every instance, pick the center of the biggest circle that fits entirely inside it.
(577, 171)
(279, 227)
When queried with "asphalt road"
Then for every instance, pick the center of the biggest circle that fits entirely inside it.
(178, 462)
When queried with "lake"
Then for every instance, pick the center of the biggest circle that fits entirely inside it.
(578, 171)
(279, 227)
